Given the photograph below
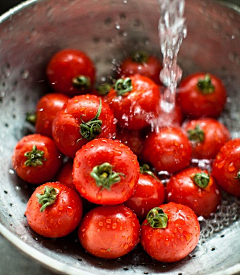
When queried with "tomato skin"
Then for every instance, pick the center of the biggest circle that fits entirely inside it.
(64, 66)
(215, 136)
(177, 240)
(65, 175)
(40, 173)
(167, 150)
(122, 159)
(109, 232)
(149, 193)
(226, 167)
(194, 103)
(135, 109)
(58, 219)
(182, 189)
(47, 108)
(66, 125)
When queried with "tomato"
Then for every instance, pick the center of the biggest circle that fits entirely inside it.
(105, 171)
(36, 159)
(170, 232)
(202, 95)
(82, 119)
(54, 210)
(71, 72)
(196, 189)
(226, 167)
(65, 174)
(141, 62)
(149, 193)
(167, 150)
(135, 101)
(207, 136)
(109, 231)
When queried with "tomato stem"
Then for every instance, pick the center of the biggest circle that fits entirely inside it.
(123, 86)
(31, 118)
(81, 82)
(201, 179)
(156, 218)
(104, 89)
(140, 57)
(196, 134)
(205, 85)
(91, 129)
(145, 169)
(47, 198)
(105, 176)
(34, 157)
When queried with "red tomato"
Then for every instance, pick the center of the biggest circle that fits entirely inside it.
(202, 95)
(135, 101)
(226, 167)
(105, 171)
(170, 232)
(141, 63)
(109, 231)
(54, 210)
(196, 189)
(47, 108)
(207, 136)
(82, 119)
(65, 174)
(36, 159)
(167, 150)
(71, 72)
(149, 193)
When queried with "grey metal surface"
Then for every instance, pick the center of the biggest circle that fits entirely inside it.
(108, 30)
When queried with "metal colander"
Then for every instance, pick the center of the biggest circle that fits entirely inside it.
(109, 30)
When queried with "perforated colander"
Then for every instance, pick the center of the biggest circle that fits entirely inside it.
(109, 30)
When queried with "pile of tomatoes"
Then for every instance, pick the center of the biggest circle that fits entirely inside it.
(102, 167)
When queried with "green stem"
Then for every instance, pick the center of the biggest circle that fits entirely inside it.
(31, 118)
(47, 198)
(238, 175)
(205, 85)
(81, 82)
(145, 169)
(196, 134)
(104, 89)
(140, 57)
(156, 218)
(35, 157)
(123, 86)
(201, 179)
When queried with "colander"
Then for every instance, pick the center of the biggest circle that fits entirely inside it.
(108, 31)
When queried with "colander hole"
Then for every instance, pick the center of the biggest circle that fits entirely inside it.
(145, 272)
(11, 224)
(180, 274)
(3, 84)
(11, 204)
(6, 192)
(6, 125)
(193, 256)
(80, 259)
(222, 236)
(13, 116)
(213, 249)
(125, 268)
(13, 98)
(10, 215)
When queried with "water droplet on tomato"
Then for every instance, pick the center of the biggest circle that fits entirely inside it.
(220, 164)
(60, 208)
(69, 211)
(114, 225)
(231, 167)
(108, 221)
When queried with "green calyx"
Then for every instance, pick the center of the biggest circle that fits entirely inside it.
(205, 85)
(156, 218)
(123, 86)
(145, 169)
(201, 179)
(104, 175)
(34, 157)
(104, 89)
(238, 175)
(31, 118)
(196, 134)
(81, 82)
(92, 128)
(140, 57)
(47, 198)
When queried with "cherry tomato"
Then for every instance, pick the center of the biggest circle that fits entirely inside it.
(65, 174)
(109, 231)
(167, 150)
(170, 232)
(36, 159)
(71, 72)
(105, 171)
(54, 210)
(149, 193)
(226, 167)
(141, 62)
(82, 119)
(207, 136)
(135, 101)
(196, 189)
(202, 95)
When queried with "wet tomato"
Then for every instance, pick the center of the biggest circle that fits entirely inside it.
(226, 167)
(109, 231)
(36, 159)
(54, 210)
(167, 150)
(141, 62)
(196, 189)
(65, 174)
(135, 101)
(207, 136)
(170, 232)
(82, 119)
(71, 72)
(202, 95)
(105, 171)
